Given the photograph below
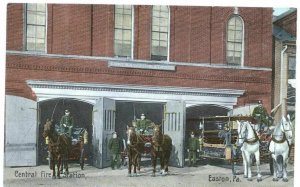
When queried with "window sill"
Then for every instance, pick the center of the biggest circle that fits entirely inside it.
(142, 65)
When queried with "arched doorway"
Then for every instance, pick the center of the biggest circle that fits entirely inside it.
(54, 108)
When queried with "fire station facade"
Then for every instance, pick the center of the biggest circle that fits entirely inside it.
(110, 63)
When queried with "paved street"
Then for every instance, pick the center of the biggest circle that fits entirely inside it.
(203, 175)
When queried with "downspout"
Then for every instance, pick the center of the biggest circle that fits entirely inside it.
(281, 76)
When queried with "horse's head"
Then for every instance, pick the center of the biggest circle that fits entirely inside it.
(48, 128)
(131, 134)
(156, 130)
(242, 132)
(286, 128)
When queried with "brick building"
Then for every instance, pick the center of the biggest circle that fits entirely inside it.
(108, 64)
(284, 68)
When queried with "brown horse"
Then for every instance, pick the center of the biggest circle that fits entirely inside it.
(162, 148)
(135, 149)
(58, 146)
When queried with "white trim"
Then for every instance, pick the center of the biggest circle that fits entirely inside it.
(140, 65)
(91, 92)
(101, 59)
(169, 34)
(132, 32)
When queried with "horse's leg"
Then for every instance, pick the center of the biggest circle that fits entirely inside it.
(62, 167)
(66, 164)
(135, 160)
(53, 167)
(162, 164)
(274, 168)
(139, 159)
(245, 165)
(153, 164)
(257, 158)
(248, 163)
(59, 160)
(285, 161)
(129, 163)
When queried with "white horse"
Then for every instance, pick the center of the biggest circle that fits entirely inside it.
(249, 142)
(279, 148)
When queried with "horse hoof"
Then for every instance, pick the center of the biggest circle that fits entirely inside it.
(59, 177)
(245, 176)
(153, 175)
(53, 177)
(275, 179)
(249, 179)
(259, 179)
(285, 179)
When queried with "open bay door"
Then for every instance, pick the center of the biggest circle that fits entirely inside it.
(174, 126)
(104, 117)
(20, 131)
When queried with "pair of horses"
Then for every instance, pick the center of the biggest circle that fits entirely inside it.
(59, 147)
(161, 146)
(278, 147)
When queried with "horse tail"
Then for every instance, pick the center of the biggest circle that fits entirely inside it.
(279, 160)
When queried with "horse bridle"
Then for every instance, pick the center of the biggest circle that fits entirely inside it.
(244, 137)
(284, 128)
(284, 136)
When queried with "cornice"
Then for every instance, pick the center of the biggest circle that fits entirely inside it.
(35, 84)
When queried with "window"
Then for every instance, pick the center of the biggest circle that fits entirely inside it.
(123, 31)
(36, 27)
(292, 67)
(160, 33)
(235, 39)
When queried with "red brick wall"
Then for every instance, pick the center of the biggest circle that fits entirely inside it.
(15, 27)
(142, 32)
(289, 23)
(198, 34)
(70, 30)
(258, 36)
(22, 68)
(103, 30)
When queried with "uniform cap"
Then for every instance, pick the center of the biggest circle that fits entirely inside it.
(192, 133)
(67, 111)
(114, 133)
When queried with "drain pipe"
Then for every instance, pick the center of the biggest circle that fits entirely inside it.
(282, 75)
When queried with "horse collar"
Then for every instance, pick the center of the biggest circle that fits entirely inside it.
(279, 141)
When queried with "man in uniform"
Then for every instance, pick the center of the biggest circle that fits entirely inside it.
(115, 147)
(143, 126)
(66, 123)
(261, 116)
(193, 147)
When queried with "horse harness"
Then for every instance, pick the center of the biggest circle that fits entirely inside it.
(283, 138)
(134, 146)
(251, 142)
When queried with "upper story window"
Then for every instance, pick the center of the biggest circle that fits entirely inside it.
(36, 27)
(235, 41)
(123, 31)
(160, 33)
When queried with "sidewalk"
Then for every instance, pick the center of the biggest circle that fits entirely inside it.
(203, 175)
